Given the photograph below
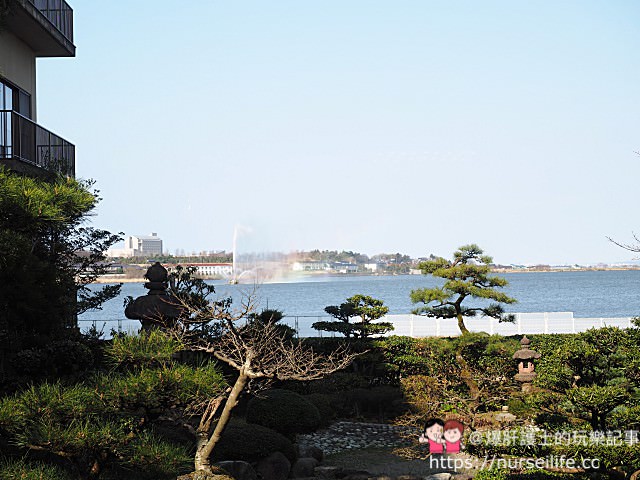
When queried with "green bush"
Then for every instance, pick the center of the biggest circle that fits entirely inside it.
(150, 349)
(158, 388)
(105, 420)
(407, 356)
(284, 411)
(626, 418)
(623, 456)
(516, 441)
(323, 403)
(47, 403)
(20, 469)
(250, 443)
(500, 474)
(63, 357)
(154, 458)
(338, 382)
(379, 402)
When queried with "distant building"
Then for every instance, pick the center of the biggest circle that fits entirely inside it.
(138, 246)
(309, 266)
(213, 269)
(343, 267)
(145, 245)
(374, 267)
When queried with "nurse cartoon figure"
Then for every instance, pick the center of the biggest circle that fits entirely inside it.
(452, 436)
(433, 435)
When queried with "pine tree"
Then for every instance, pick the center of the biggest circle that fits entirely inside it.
(467, 275)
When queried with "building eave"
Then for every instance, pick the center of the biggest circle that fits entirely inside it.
(36, 30)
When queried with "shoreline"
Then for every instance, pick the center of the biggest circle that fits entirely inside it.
(106, 279)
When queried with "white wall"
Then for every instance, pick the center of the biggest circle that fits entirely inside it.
(18, 65)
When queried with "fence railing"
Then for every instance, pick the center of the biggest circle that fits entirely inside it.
(25, 140)
(59, 13)
(419, 326)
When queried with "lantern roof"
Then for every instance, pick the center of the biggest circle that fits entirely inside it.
(525, 353)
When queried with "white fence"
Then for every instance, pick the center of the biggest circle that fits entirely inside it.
(420, 326)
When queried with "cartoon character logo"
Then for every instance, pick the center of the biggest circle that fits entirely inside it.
(452, 436)
(432, 434)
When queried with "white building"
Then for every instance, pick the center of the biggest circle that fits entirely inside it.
(213, 269)
(374, 267)
(138, 246)
(344, 267)
(309, 266)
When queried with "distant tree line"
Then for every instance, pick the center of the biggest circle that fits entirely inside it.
(186, 259)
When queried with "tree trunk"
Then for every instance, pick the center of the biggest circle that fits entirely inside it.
(467, 378)
(457, 306)
(595, 424)
(205, 444)
(461, 325)
(465, 373)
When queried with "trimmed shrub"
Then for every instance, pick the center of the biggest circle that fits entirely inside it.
(63, 357)
(338, 382)
(251, 443)
(323, 403)
(284, 411)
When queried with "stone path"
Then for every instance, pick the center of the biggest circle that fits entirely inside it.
(343, 436)
(368, 447)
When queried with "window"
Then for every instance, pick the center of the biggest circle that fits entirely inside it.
(6, 97)
(14, 98)
(6, 105)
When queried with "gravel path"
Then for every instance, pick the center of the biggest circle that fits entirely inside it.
(343, 436)
(369, 447)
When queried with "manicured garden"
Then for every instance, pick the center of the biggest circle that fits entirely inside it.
(130, 406)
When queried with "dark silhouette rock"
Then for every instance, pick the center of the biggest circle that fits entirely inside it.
(351, 474)
(328, 471)
(311, 451)
(304, 467)
(238, 469)
(275, 467)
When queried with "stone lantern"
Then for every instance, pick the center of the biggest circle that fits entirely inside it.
(157, 307)
(526, 368)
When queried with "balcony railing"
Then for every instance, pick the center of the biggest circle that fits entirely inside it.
(24, 140)
(59, 13)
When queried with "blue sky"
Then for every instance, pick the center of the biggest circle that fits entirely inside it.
(374, 126)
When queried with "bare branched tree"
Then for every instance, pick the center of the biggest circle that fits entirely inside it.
(632, 247)
(259, 352)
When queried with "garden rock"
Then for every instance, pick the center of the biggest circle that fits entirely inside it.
(348, 474)
(311, 451)
(439, 476)
(304, 467)
(238, 469)
(275, 467)
(328, 471)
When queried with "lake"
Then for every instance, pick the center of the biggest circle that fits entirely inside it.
(587, 294)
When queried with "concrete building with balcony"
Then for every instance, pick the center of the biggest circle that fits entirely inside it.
(32, 29)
